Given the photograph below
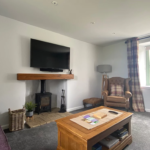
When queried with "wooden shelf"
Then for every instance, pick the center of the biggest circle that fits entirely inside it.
(122, 144)
(27, 76)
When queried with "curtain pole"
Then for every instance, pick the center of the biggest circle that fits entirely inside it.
(139, 39)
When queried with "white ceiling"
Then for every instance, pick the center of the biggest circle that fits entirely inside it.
(125, 18)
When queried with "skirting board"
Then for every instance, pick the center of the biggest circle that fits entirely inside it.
(5, 126)
(74, 108)
(147, 110)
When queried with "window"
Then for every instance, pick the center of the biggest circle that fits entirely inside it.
(147, 65)
(144, 64)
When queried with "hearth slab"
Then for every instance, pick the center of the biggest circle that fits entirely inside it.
(46, 117)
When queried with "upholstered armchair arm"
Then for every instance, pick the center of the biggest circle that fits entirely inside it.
(105, 93)
(128, 94)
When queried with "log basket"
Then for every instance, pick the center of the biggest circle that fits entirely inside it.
(16, 119)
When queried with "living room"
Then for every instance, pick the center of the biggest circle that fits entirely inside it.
(95, 32)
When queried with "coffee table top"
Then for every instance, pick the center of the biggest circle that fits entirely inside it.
(88, 134)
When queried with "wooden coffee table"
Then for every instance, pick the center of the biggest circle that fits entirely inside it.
(72, 136)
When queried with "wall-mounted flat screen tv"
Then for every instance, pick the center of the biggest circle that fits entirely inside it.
(48, 55)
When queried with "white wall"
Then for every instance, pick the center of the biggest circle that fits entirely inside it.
(15, 58)
(116, 55)
(146, 95)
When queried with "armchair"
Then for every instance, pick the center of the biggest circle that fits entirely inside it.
(116, 101)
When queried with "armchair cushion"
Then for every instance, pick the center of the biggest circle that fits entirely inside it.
(117, 90)
(116, 99)
(115, 80)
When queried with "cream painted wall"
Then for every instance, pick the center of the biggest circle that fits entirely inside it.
(116, 55)
(15, 58)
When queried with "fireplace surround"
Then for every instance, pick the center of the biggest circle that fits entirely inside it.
(43, 77)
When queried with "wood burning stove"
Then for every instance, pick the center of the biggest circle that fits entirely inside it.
(43, 100)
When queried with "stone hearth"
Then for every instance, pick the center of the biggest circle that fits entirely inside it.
(46, 117)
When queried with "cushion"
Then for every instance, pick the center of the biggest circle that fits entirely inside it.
(117, 90)
(116, 99)
(3, 141)
(115, 80)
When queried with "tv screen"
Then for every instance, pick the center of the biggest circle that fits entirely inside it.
(48, 55)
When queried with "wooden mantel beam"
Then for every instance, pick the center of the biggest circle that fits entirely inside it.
(28, 76)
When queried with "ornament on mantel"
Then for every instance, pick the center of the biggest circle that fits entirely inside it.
(70, 71)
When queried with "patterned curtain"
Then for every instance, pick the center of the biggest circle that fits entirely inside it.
(133, 72)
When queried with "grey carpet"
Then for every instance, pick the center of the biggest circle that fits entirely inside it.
(45, 137)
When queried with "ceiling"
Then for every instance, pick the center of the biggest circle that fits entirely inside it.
(125, 18)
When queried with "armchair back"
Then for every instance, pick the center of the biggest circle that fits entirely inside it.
(116, 80)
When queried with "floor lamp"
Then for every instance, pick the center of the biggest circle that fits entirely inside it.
(104, 69)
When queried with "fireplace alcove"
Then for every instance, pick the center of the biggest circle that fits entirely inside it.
(43, 99)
